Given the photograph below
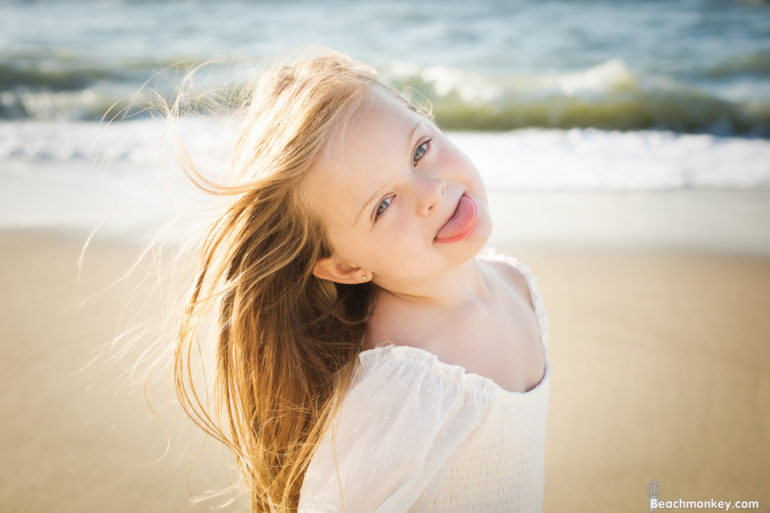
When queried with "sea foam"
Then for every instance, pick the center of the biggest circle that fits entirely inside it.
(64, 174)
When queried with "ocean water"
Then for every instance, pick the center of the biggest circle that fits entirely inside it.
(684, 65)
(543, 95)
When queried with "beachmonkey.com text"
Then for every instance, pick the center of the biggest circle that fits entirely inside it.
(656, 504)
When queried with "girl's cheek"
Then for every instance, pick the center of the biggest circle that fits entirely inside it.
(399, 222)
(402, 223)
(444, 155)
(451, 156)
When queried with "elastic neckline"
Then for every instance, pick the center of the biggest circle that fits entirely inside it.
(450, 372)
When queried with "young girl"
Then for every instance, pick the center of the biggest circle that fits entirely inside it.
(367, 359)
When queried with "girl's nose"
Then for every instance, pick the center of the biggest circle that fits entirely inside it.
(431, 190)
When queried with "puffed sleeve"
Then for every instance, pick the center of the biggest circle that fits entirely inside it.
(390, 445)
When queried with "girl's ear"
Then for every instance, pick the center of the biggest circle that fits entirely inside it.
(330, 268)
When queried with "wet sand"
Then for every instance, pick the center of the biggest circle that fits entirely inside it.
(659, 360)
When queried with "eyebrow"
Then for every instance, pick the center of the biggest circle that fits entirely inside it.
(378, 192)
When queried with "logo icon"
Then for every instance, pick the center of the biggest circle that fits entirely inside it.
(653, 492)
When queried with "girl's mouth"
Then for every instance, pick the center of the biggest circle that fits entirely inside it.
(462, 222)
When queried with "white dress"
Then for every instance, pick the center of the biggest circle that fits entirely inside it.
(415, 434)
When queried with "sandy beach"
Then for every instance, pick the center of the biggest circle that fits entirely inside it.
(659, 359)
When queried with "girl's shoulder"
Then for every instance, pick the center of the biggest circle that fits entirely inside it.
(519, 276)
(508, 268)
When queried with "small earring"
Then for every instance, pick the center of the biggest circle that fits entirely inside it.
(364, 277)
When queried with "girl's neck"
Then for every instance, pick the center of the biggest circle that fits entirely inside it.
(452, 289)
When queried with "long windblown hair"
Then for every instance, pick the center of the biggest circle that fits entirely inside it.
(287, 341)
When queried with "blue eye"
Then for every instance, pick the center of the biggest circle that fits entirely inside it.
(419, 153)
(383, 206)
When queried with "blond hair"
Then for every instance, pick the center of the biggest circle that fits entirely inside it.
(287, 341)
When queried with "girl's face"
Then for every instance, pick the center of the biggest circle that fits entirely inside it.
(400, 202)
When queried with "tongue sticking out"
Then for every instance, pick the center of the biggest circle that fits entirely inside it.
(461, 223)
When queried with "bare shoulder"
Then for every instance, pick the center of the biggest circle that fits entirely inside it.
(505, 272)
